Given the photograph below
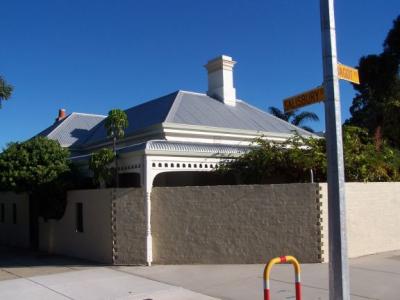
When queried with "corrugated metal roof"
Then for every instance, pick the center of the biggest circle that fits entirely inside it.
(74, 130)
(49, 129)
(163, 145)
(199, 109)
(80, 130)
(140, 117)
(184, 147)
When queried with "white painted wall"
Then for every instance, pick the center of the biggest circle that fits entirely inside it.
(95, 242)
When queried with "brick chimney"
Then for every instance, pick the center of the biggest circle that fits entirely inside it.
(220, 79)
(61, 114)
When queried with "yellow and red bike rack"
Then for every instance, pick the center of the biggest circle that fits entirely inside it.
(281, 260)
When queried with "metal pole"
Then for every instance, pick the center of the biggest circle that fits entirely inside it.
(338, 265)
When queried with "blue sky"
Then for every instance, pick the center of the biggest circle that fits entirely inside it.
(91, 56)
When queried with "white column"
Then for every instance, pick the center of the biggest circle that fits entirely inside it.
(147, 183)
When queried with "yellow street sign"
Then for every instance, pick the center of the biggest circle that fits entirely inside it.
(348, 73)
(303, 99)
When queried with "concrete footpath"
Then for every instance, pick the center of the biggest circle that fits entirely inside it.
(371, 277)
(28, 276)
(91, 284)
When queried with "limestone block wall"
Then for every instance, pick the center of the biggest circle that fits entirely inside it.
(373, 217)
(14, 231)
(95, 240)
(129, 227)
(235, 224)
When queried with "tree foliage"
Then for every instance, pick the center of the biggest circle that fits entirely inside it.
(376, 105)
(39, 167)
(392, 41)
(295, 117)
(99, 164)
(367, 159)
(292, 160)
(116, 123)
(270, 162)
(5, 90)
(27, 166)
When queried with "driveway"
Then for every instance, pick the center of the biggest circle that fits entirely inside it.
(24, 275)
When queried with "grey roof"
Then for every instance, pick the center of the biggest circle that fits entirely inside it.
(140, 117)
(49, 129)
(198, 109)
(184, 147)
(80, 130)
(73, 130)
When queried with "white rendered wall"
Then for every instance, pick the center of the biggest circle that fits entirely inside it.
(373, 217)
(95, 242)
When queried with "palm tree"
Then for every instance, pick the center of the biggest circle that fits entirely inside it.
(297, 119)
(116, 123)
(5, 90)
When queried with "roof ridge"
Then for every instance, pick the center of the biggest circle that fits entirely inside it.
(87, 114)
(194, 93)
(151, 100)
(174, 106)
(62, 122)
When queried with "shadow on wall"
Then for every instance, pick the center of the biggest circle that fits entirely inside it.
(127, 180)
(194, 178)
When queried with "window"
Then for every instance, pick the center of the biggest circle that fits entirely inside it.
(79, 217)
(2, 213)
(14, 213)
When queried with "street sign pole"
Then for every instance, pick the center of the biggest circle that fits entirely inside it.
(338, 265)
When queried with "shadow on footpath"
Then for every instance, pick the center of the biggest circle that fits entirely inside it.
(18, 257)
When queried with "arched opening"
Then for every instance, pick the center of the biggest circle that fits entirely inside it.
(192, 178)
(129, 180)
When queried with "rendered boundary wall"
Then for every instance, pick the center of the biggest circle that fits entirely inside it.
(95, 242)
(114, 230)
(235, 224)
(373, 217)
(211, 224)
(15, 235)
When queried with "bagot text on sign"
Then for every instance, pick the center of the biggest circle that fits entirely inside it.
(303, 99)
(348, 73)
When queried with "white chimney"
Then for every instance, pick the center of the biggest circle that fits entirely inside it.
(220, 79)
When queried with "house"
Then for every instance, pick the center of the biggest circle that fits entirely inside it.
(173, 139)
(179, 132)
